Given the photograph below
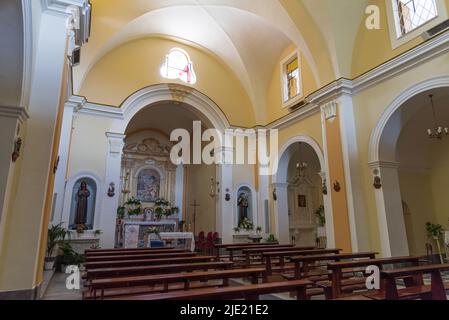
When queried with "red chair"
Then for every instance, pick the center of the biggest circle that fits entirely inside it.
(200, 241)
(209, 244)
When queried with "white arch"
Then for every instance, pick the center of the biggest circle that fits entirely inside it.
(280, 183)
(68, 196)
(279, 177)
(381, 155)
(168, 92)
(374, 152)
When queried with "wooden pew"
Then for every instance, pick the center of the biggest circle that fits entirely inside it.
(302, 263)
(146, 262)
(140, 256)
(249, 244)
(156, 269)
(186, 278)
(268, 256)
(247, 292)
(435, 291)
(232, 249)
(334, 288)
(131, 251)
(258, 251)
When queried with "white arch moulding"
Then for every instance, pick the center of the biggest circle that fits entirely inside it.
(382, 161)
(280, 183)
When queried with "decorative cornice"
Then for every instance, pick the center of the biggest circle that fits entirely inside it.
(424, 52)
(60, 6)
(19, 113)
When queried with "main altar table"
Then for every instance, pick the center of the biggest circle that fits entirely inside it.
(133, 233)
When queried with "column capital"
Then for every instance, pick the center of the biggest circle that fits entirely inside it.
(116, 142)
(384, 164)
(329, 110)
(19, 113)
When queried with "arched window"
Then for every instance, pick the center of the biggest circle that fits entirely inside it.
(178, 65)
(411, 14)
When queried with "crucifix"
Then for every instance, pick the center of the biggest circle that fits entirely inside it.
(194, 205)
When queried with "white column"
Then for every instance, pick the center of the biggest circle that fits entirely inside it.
(351, 161)
(71, 106)
(225, 213)
(10, 120)
(327, 202)
(110, 204)
(179, 190)
(282, 232)
(26, 220)
(262, 196)
(390, 215)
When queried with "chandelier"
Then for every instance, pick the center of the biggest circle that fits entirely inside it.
(438, 132)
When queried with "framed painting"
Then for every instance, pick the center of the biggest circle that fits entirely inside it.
(148, 185)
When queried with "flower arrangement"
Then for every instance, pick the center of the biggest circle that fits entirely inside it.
(163, 208)
(134, 207)
(80, 229)
(246, 224)
(259, 229)
(121, 212)
(236, 230)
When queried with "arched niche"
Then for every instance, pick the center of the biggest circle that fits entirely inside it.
(245, 193)
(91, 202)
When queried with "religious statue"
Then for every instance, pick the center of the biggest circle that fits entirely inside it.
(243, 204)
(81, 205)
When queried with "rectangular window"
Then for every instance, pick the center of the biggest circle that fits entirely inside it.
(411, 14)
(291, 80)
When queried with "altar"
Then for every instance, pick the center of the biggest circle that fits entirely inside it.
(134, 234)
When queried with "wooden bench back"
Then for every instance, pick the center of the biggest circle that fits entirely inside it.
(247, 292)
(140, 256)
(273, 247)
(156, 269)
(265, 244)
(146, 262)
(114, 251)
(132, 251)
(276, 249)
(299, 252)
(376, 262)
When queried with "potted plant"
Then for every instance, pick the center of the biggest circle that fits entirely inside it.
(259, 230)
(319, 213)
(271, 238)
(70, 257)
(162, 208)
(236, 229)
(55, 237)
(98, 233)
(121, 212)
(436, 232)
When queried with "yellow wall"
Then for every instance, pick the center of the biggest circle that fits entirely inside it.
(416, 192)
(439, 180)
(137, 64)
(373, 47)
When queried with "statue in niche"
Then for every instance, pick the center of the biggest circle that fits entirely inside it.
(243, 204)
(82, 197)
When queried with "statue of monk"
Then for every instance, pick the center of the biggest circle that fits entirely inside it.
(243, 204)
(81, 205)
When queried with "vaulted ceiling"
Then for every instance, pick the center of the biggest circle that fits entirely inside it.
(248, 36)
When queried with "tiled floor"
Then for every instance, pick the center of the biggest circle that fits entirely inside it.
(57, 289)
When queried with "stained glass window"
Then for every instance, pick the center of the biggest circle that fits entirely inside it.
(177, 65)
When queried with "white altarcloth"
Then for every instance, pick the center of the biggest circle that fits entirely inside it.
(188, 236)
